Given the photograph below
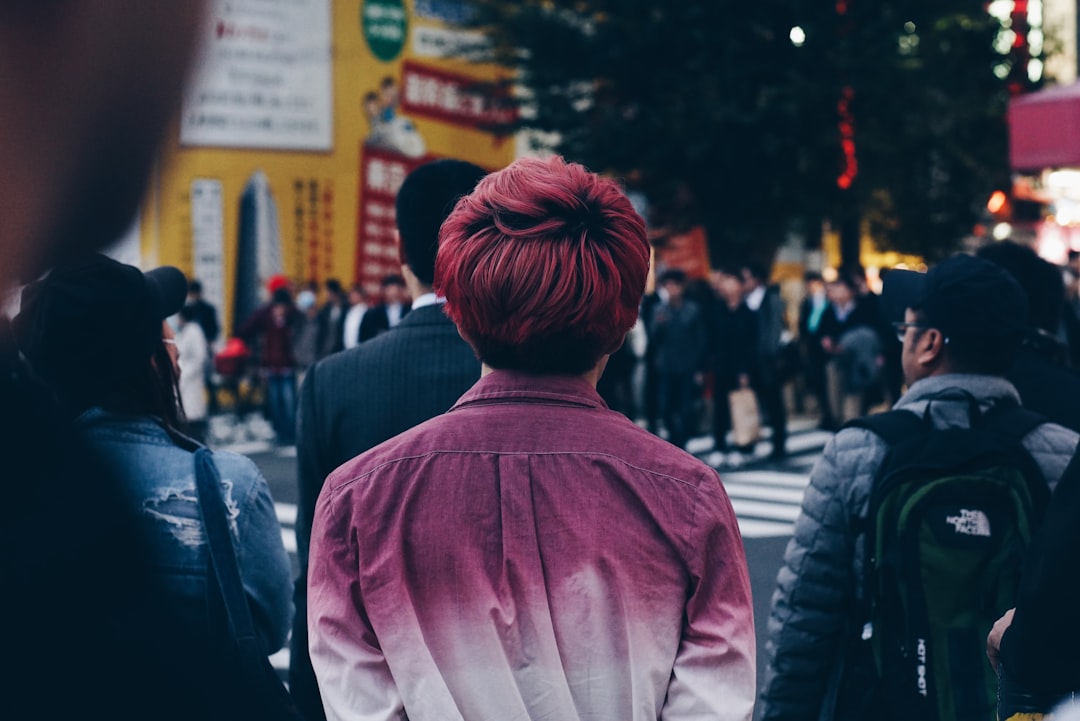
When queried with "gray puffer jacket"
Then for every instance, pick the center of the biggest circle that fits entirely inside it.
(816, 586)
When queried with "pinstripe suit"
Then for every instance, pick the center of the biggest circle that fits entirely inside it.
(353, 401)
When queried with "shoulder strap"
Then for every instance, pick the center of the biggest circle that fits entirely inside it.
(219, 540)
(1012, 420)
(891, 426)
(267, 695)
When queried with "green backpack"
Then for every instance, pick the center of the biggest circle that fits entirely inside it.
(951, 515)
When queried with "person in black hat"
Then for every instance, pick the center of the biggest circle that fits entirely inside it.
(95, 331)
(961, 325)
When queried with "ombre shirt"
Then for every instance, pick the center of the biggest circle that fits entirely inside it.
(529, 555)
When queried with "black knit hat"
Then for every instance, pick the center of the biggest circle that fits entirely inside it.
(93, 322)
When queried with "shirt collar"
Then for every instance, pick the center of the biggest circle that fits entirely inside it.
(507, 386)
(427, 299)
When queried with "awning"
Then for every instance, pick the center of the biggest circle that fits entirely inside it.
(1044, 128)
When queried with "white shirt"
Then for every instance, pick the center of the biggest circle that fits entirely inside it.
(352, 324)
(755, 298)
(393, 313)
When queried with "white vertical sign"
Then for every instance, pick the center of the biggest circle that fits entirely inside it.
(208, 240)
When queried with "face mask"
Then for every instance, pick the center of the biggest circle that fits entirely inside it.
(305, 300)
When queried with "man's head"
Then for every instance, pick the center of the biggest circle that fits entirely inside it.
(842, 291)
(393, 289)
(754, 275)
(86, 91)
(426, 197)
(815, 284)
(727, 282)
(966, 315)
(543, 267)
(1040, 279)
(194, 290)
(673, 281)
(357, 295)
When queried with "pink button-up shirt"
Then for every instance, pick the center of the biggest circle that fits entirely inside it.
(529, 555)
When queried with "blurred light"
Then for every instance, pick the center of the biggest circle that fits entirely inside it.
(1035, 41)
(1003, 43)
(1001, 9)
(1002, 231)
(996, 202)
(1001, 71)
(909, 26)
(798, 36)
(1035, 13)
(1035, 70)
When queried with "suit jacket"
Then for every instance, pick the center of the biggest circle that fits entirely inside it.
(351, 402)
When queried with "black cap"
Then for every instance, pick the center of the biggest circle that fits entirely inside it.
(963, 297)
(92, 322)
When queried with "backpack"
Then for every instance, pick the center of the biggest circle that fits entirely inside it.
(861, 362)
(951, 514)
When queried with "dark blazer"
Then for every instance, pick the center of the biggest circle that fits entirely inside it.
(377, 321)
(354, 400)
(330, 337)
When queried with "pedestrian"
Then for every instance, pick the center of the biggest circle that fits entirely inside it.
(814, 358)
(355, 400)
(767, 380)
(1041, 373)
(205, 314)
(962, 326)
(272, 326)
(358, 306)
(331, 323)
(853, 349)
(678, 338)
(535, 554)
(733, 353)
(77, 153)
(193, 353)
(95, 331)
(306, 332)
(1033, 646)
(388, 313)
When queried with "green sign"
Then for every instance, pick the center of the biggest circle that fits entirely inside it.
(386, 25)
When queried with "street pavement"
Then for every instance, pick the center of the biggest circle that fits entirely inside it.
(765, 494)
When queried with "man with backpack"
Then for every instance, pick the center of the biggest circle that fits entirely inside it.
(914, 525)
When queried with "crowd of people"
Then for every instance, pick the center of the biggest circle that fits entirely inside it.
(480, 536)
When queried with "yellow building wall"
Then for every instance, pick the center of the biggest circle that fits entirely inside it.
(319, 232)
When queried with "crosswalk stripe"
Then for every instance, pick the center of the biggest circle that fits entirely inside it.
(766, 478)
(760, 509)
(764, 493)
(753, 528)
(286, 513)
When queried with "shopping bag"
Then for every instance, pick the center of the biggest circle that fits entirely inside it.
(745, 418)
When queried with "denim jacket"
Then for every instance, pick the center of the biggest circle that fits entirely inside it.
(160, 476)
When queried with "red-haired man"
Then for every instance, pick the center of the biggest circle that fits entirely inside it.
(532, 554)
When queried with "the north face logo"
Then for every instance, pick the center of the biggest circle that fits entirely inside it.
(970, 523)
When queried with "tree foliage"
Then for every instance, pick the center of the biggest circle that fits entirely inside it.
(713, 111)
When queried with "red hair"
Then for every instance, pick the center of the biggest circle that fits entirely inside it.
(543, 267)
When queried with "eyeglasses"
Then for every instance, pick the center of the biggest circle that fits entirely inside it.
(901, 329)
